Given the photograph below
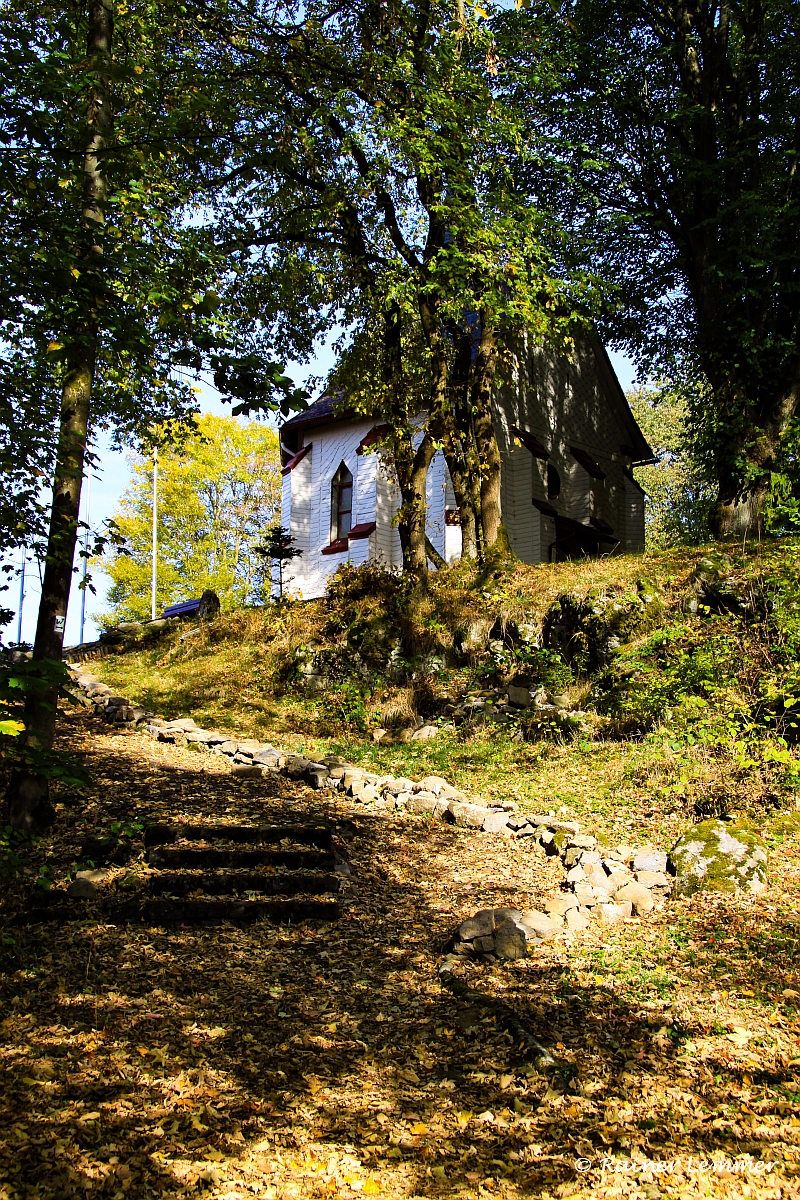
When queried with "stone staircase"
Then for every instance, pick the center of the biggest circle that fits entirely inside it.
(194, 874)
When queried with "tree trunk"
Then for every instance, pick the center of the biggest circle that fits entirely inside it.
(412, 475)
(434, 555)
(742, 496)
(492, 528)
(459, 477)
(411, 467)
(29, 800)
(739, 516)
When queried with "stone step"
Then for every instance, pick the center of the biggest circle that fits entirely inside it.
(239, 912)
(187, 856)
(190, 912)
(185, 884)
(303, 835)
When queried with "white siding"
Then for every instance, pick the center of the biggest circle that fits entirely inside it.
(452, 543)
(286, 500)
(365, 484)
(300, 506)
(519, 515)
(435, 496)
(452, 533)
(307, 505)
(633, 535)
(386, 539)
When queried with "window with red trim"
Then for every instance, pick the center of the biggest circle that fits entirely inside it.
(341, 503)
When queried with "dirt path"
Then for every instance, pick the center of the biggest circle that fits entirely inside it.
(328, 1061)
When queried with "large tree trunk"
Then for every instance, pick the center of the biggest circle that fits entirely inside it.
(411, 467)
(745, 470)
(492, 527)
(412, 476)
(29, 800)
(460, 449)
(464, 494)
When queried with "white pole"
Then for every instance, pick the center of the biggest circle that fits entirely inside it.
(85, 552)
(155, 535)
(21, 598)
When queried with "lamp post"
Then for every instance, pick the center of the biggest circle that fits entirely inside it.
(85, 553)
(155, 536)
(21, 598)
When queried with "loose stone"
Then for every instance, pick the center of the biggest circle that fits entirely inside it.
(577, 920)
(612, 914)
(653, 879)
(244, 771)
(640, 897)
(510, 941)
(540, 925)
(650, 860)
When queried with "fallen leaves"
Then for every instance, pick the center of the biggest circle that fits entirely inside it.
(327, 1062)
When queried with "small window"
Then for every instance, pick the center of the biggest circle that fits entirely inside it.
(341, 504)
(553, 483)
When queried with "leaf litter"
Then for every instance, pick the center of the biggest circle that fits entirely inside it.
(326, 1060)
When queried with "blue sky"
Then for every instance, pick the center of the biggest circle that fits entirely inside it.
(109, 480)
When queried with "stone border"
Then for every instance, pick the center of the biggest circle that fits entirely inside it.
(609, 884)
(250, 758)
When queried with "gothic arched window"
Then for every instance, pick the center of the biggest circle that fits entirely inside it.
(341, 503)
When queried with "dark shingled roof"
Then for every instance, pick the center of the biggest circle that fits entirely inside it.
(318, 413)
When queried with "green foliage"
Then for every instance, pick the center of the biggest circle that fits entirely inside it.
(589, 628)
(678, 494)
(782, 512)
(538, 666)
(21, 683)
(698, 233)
(348, 701)
(675, 674)
(728, 680)
(386, 180)
(217, 491)
(141, 284)
(369, 581)
(127, 829)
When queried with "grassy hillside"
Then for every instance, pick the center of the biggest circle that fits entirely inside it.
(682, 667)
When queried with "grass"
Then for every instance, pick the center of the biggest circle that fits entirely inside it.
(237, 675)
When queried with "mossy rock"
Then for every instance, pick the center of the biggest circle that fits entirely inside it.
(711, 568)
(588, 630)
(715, 856)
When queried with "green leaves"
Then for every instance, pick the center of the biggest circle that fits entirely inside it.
(678, 198)
(160, 293)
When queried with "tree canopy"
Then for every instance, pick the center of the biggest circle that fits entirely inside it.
(373, 165)
(111, 285)
(672, 134)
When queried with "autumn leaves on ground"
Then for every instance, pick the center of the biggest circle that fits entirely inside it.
(328, 1061)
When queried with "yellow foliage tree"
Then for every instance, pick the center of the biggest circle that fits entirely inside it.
(217, 494)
